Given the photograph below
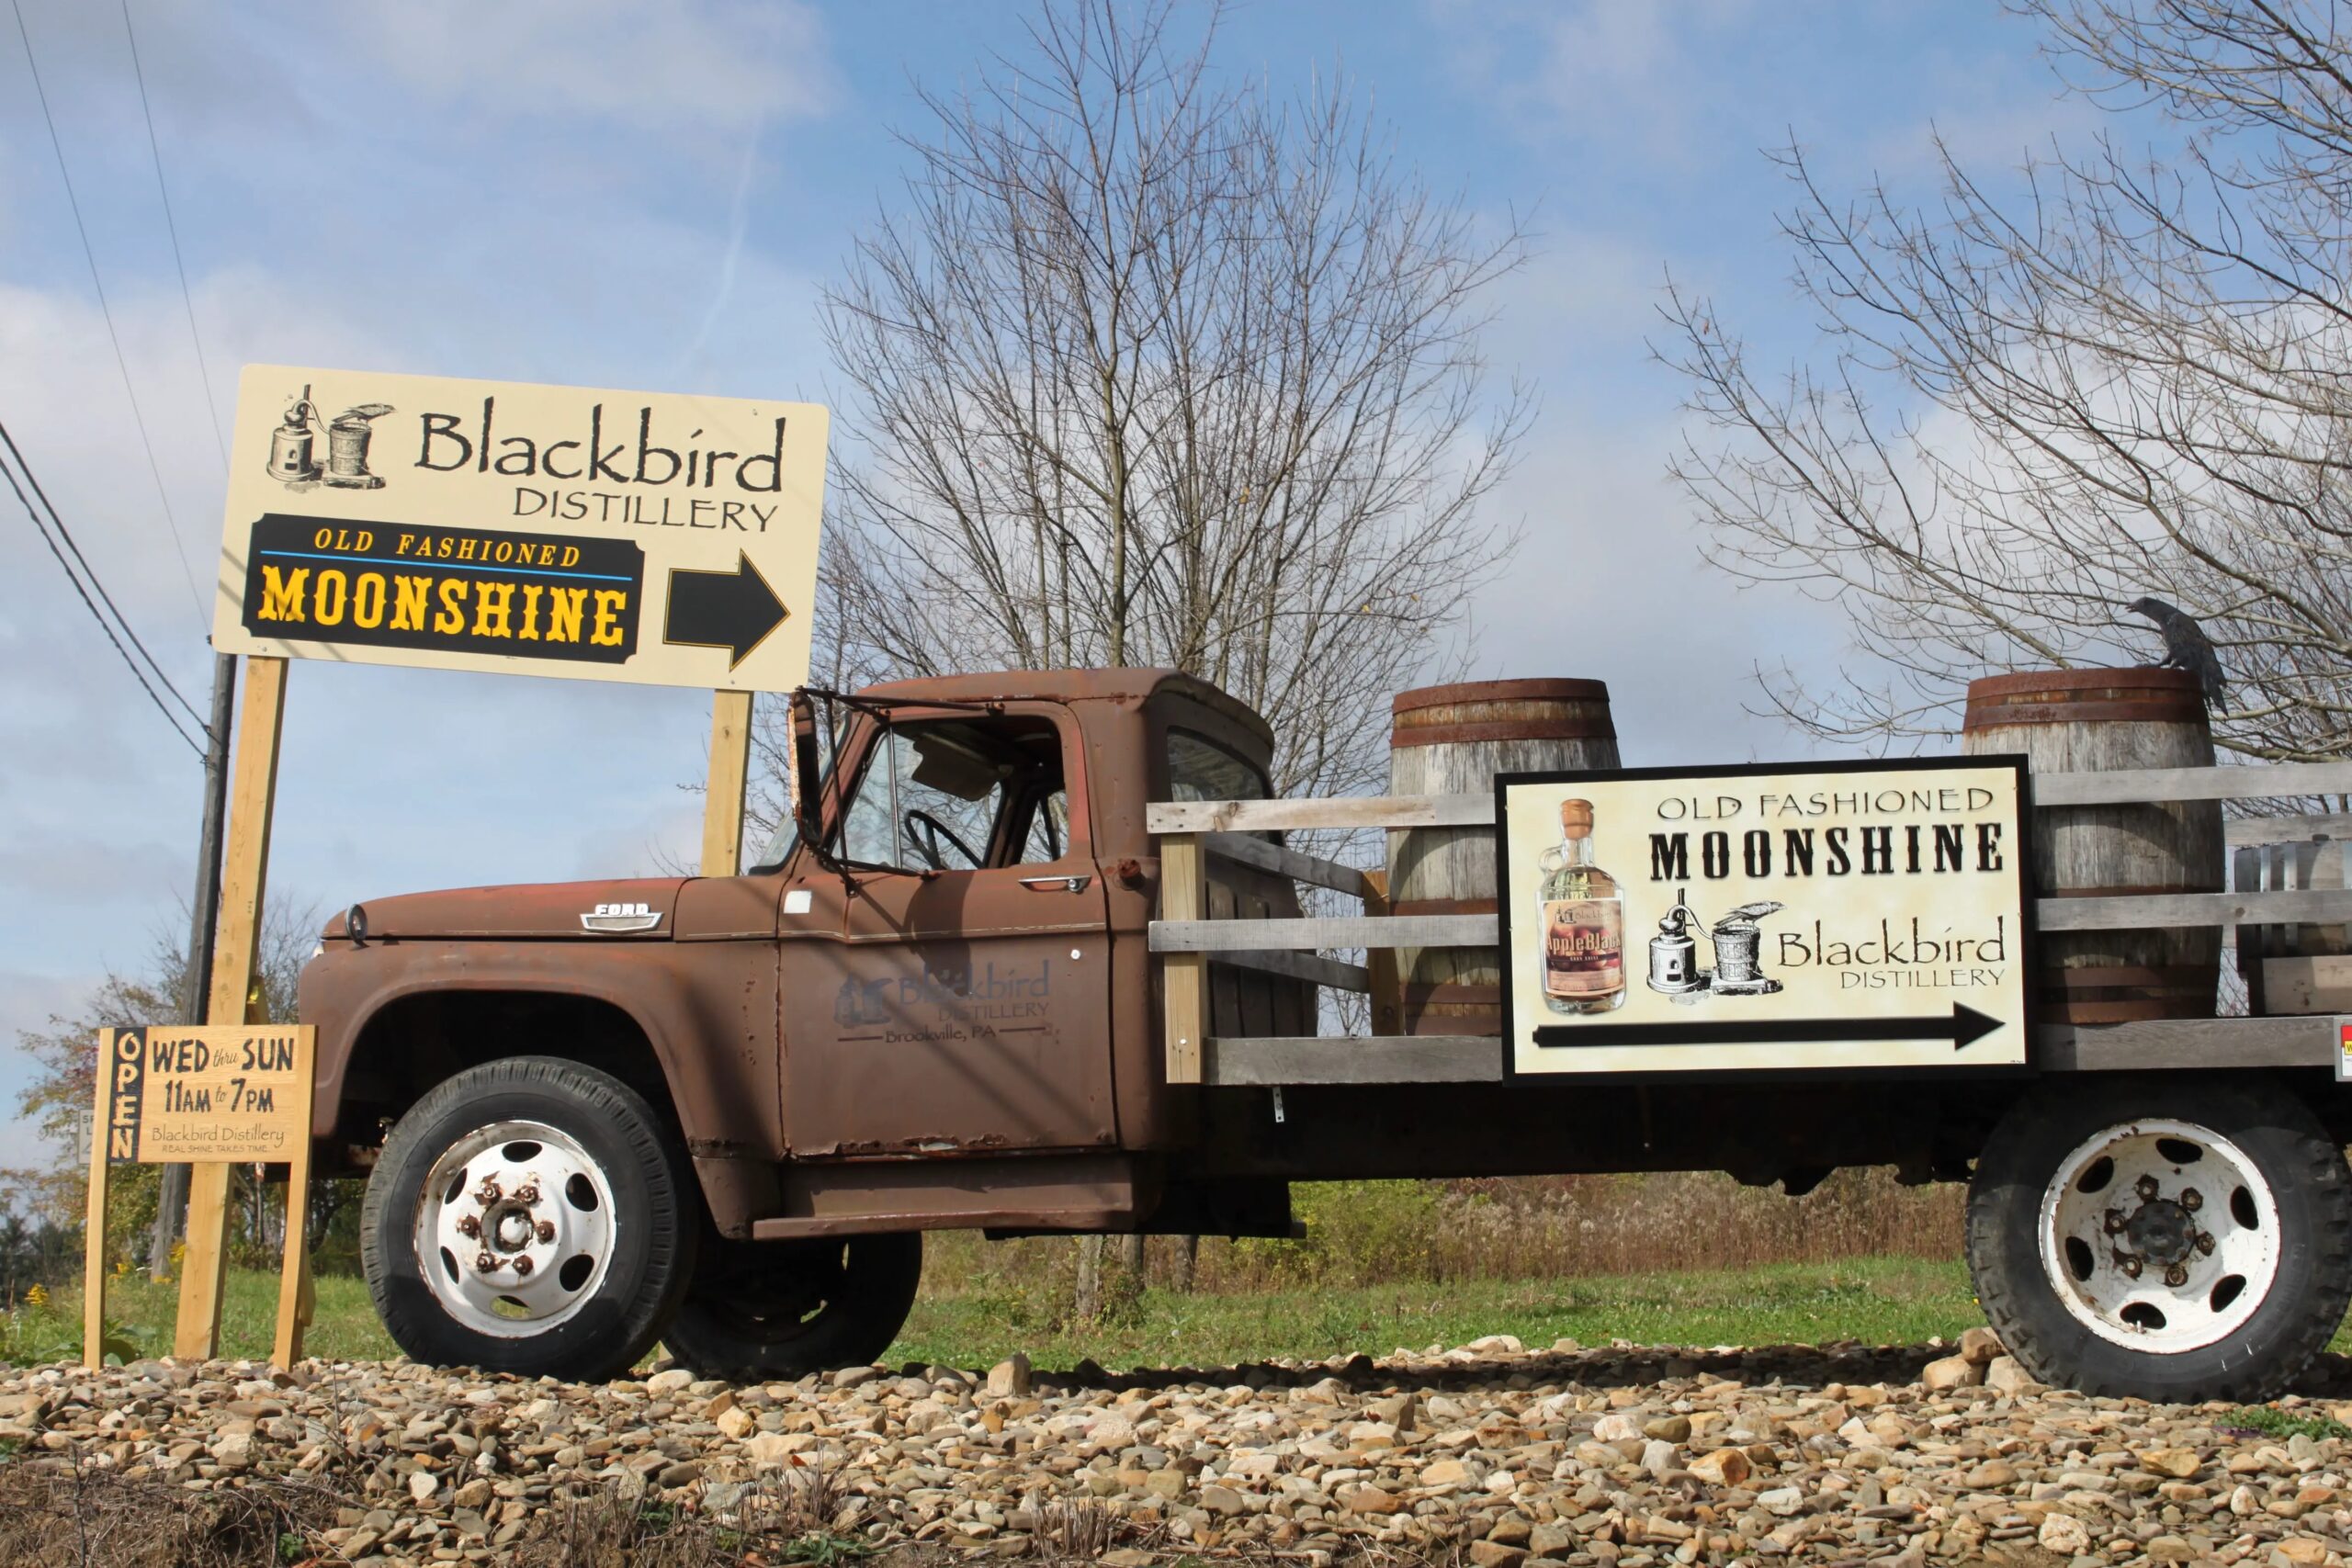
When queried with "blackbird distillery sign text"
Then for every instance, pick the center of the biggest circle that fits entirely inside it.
(528, 529)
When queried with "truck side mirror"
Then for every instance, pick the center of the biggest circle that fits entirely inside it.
(807, 770)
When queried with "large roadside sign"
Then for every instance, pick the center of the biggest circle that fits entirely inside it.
(1822, 916)
(525, 529)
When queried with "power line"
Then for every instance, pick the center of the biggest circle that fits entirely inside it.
(155, 149)
(137, 674)
(26, 467)
(121, 363)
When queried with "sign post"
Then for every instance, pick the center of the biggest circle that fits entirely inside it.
(519, 529)
(211, 1097)
(1765, 919)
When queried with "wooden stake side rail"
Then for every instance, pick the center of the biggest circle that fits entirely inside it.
(2264, 781)
(1190, 829)
(2167, 1044)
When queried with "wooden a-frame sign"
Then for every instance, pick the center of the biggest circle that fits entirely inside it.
(784, 499)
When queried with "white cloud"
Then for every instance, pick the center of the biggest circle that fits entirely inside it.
(726, 63)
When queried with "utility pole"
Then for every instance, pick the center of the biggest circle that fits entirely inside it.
(171, 1199)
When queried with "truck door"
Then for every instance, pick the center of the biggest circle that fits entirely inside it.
(950, 987)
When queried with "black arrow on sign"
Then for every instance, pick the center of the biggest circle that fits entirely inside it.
(1963, 1028)
(733, 610)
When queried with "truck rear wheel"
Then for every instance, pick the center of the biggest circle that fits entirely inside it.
(783, 1309)
(2173, 1238)
(529, 1215)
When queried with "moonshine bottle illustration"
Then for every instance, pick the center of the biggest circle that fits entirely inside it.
(1581, 913)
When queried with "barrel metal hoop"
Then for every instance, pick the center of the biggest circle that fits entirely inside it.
(1442, 907)
(2164, 707)
(1465, 691)
(1590, 726)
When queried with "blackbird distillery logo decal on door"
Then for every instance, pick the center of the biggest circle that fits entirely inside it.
(1764, 919)
(539, 530)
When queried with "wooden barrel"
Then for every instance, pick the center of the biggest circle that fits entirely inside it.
(2084, 720)
(1453, 740)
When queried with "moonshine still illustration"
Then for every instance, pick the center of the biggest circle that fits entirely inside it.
(294, 448)
(1735, 941)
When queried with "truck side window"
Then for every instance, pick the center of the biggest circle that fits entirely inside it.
(957, 795)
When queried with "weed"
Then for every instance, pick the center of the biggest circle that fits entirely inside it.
(2278, 1423)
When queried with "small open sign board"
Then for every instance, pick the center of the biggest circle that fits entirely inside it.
(220, 1094)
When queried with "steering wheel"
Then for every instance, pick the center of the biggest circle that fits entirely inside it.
(924, 832)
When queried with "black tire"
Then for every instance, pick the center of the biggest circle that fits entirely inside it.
(2288, 1323)
(654, 1220)
(760, 1310)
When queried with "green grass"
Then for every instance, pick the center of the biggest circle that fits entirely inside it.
(1893, 1299)
(343, 1329)
(1878, 1301)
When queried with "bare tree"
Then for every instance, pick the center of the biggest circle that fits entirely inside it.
(2127, 376)
(1149, 368)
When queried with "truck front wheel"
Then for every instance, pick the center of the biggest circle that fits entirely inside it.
(2170, 1238)
(529, 1215)
(783, 1309)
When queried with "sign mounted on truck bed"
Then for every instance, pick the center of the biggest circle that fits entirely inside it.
(531, 530)
(1764, 919)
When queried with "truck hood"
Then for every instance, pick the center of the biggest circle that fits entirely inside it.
(636, 908)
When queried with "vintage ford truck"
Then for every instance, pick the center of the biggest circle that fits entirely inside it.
(720, 1112)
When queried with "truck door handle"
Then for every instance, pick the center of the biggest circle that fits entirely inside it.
(1067, 883)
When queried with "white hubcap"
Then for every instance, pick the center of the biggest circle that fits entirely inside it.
(515, 1228)
(2160, 1236)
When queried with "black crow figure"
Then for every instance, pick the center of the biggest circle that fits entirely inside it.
(2185, 645)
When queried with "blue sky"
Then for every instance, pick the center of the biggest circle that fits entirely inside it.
(650, 194)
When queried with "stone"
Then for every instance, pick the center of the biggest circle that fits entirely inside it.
(737, 1423)
(1981, 1346)
(1009, 1378)
(1722, 1467)
(1950, 1372)
(660, 1385)
(1370, 1500)
(2179, 1463)
(1781, 1500)
(1994, 1474)
(1447, 1472)
(1615, 1427)
(1668, 1430)
(2005, 1374)
(2300, 1551)
(423, 1485)
(1222, 1500)
(1494, 1554)
(2065, 1535)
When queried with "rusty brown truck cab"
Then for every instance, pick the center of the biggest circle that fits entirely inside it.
(722, 1109)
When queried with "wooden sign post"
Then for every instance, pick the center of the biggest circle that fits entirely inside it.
(457, 543)
(209, 1096)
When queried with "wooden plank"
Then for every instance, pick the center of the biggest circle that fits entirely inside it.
(94, 1231)
(294, 1297)
(2287, 829)
(1330, 931)
(1380, 962)
(244, 862)
(1358, 1059)
(2321, 983)
(1312, 967)
(1299, 867)
(730, 766)
(2189, 1043)
(2317, 905)
(1184, 978)
(2262, 780)
(1338, 811)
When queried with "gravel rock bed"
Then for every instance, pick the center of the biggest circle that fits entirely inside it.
(1488, 1454)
